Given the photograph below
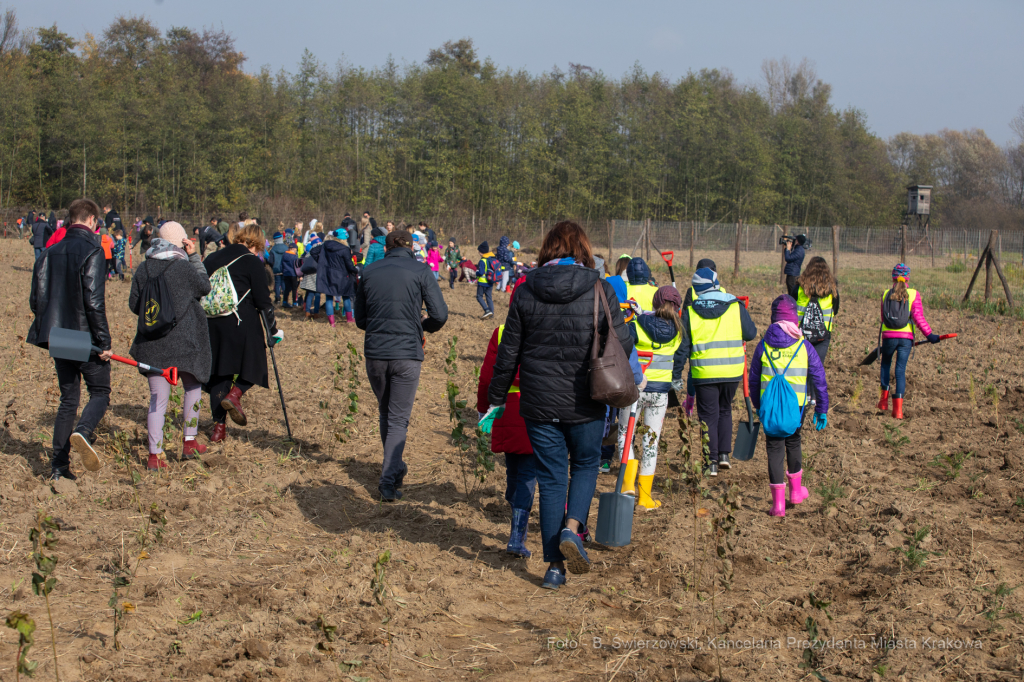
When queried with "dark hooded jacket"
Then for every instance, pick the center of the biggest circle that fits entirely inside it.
(277, 252)
(794, 260)
(663, 332)
(815, 370)
(41, 232)
(547, 339)
(637, 272)
(335, 273)
(711, 309)
(504, 254)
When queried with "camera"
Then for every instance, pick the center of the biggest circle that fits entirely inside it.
(801, 239)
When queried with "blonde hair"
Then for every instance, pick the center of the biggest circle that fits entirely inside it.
(251, 236)
(668, 311)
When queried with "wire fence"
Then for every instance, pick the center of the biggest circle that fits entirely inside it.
(942, 259)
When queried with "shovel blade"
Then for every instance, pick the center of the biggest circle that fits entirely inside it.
(70, 344)
(614, 519)
(746, 440)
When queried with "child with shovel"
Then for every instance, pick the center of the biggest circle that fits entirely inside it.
(783, 352)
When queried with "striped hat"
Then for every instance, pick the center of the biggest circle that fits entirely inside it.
(704, 279)
(901, 271)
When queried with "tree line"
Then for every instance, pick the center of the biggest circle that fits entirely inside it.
(147, 119)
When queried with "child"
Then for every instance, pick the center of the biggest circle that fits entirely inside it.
(784, 344)
(901, 312)
(107, 242)
(468, 271)
(688, 299)
(509, 435)
(452, 258)
(434, 261)
(290, 275)
(658, 332)
(308, 283)
(120, 248)
(488, 263)
(817, 304)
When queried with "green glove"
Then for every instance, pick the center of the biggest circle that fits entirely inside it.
(493, 412)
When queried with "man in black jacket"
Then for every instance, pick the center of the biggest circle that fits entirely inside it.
(68, 290)
(112, 220)
(41, 233)
(388, 308)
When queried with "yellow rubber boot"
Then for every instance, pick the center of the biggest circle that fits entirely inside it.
(629, 480)
(645, 500)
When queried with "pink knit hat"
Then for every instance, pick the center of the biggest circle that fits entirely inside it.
(173, 232)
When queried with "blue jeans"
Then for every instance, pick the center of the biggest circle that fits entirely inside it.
(520, 480)
(901, 349)
(312, 302)
(559, 473)
(483, 297)
(278, 286)
(39, 252)
(330, 305)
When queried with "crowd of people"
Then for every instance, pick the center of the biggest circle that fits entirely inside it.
(205, 305)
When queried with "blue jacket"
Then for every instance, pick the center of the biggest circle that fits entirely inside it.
(815, 370)
(794, 260)
(289, 261)
(375, 252)
(504, 255)
(275, 256)
(335, 273)
(637, 272)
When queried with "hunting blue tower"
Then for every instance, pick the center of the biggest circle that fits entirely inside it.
(919, 200)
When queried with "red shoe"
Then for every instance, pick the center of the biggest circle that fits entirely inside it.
(883, 401)
(191, 448)
(156, 462)
(219, 433)
(233, 404)
(897, 408)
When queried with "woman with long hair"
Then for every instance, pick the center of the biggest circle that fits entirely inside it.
(901, 312)
(547, 339)
(817, 304)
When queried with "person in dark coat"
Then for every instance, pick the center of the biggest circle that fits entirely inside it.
(389, 304)
(41, 233)
(336, 276)
(186, 346)
(547, 339)
(238, 342)
(794, 256)
(146, 232)
(69, 292)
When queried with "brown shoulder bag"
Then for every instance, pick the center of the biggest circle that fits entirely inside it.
(611, 379)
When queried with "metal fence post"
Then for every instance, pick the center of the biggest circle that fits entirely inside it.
(835, 251)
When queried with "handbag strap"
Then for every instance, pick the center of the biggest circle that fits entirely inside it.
(599, 296)
(593, 346)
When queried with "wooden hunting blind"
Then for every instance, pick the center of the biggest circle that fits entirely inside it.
(919, 200)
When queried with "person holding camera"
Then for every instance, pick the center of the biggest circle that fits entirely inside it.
(794, 256)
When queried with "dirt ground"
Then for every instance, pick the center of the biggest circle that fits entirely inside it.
(265, 564)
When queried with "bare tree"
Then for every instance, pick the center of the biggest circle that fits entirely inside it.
(786, 83)
(8, 32)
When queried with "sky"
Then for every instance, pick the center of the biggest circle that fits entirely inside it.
(909, 65)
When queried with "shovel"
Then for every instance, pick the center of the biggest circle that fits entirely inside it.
(270, 345)
(69, 344)
(873, 355)
(748, 431)
(615, 510)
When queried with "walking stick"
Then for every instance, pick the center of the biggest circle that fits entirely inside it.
(270, 344)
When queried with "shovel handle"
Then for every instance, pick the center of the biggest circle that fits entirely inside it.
(170, 374)
(667, 256)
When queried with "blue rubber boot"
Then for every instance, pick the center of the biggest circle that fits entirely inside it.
(517, 538)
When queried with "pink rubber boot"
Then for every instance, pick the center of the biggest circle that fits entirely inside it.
(778, 499)
(797, 492)
(330, 319)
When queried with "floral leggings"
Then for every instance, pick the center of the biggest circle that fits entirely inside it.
(653, 407)
(159, 396)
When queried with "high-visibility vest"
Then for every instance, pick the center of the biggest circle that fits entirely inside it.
(910, 302)
(515, 382)
(802, 299)
(796, 375)
(717, 345)
(643, 294)
(660, 369)
(482, 279)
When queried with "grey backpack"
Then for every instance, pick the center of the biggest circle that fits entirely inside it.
(895, 314)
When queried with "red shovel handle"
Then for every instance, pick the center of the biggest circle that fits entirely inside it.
(170, 374)
(668, 256)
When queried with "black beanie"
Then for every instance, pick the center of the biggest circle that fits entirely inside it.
(484, 248)
(707, 263)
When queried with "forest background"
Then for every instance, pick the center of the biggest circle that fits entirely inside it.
(145, 119)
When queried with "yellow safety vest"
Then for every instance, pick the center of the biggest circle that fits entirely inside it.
(660, 369)
(717, 350)
(802, 299)
(643, 294)
(694, 295)
(796, 375)
(910, 302)
(514, 388)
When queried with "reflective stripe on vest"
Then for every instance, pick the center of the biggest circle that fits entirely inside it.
(515, 382)
(717, 351)
(796, 375)
(910, 303)
(660, 369)
(643, 294)
(825, 302)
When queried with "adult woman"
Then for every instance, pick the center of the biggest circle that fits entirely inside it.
(237, 341)
(547, 339)
(186, 346)
(336, 275)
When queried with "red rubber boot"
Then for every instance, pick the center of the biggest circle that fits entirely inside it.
(883, 401)
(897, 408)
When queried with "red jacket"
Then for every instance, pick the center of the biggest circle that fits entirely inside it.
(509, 433)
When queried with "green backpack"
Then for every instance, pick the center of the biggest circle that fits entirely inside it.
(223, 298)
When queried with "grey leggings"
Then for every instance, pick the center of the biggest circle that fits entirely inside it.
(159, 395)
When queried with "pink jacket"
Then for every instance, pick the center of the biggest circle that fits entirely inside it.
(434, 259)
(916, 319)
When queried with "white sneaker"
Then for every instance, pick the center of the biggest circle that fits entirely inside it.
(90, 458)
